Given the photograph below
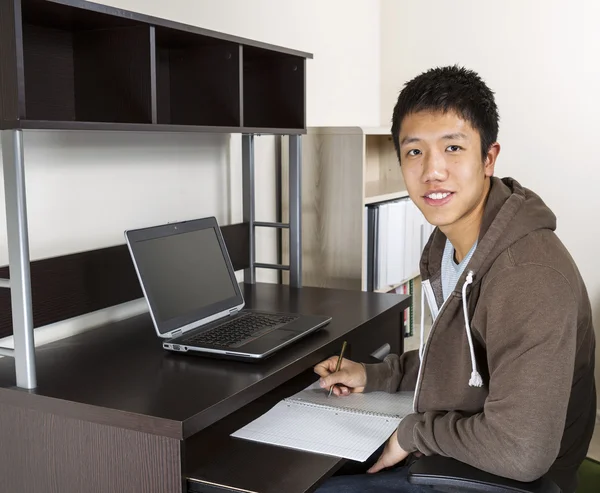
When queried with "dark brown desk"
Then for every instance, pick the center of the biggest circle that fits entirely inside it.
(114, 412)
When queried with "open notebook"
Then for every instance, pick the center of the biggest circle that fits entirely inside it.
(352, 427)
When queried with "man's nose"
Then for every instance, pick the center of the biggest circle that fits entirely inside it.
(434, 167)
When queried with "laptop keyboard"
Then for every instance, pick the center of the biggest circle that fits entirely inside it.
(240, 331)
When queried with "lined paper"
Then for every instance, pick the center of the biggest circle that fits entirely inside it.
(352, 427)
(314, 429)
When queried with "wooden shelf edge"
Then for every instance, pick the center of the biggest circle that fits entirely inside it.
(386, 197)
(145, 127)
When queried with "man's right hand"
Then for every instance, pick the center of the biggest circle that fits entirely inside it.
(352, 376)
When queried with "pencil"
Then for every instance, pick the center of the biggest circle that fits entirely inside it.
(337, 367)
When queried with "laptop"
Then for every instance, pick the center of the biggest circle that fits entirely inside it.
(194, 298)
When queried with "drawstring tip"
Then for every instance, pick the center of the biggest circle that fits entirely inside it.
(476, 380)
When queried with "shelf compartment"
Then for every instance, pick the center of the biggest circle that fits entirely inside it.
(198, 79)
(383, 175)
(273, 89)
(81, 65)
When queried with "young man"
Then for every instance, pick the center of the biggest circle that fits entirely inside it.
(505, 380)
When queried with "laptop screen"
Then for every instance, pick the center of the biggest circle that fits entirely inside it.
(185, 272)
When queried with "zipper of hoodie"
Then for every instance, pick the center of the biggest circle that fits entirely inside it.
(429, 337)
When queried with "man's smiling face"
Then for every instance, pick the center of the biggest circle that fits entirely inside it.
(443, 168)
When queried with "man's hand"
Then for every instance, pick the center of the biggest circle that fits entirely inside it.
(352, 376)
(392, 455)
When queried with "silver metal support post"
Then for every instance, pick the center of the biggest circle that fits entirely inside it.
(295, 194)
(248, 194)
(18, 257)
(279, 203)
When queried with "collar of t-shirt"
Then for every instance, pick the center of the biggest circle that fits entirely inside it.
(451, 271)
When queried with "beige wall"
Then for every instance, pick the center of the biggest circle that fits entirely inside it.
(541, 59)
(86, 188)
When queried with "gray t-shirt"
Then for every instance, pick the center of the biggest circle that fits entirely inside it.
(451, 271)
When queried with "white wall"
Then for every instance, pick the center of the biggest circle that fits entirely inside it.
(85, 188)
(540, 57)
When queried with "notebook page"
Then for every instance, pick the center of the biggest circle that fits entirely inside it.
(314, 429)
(399, 404)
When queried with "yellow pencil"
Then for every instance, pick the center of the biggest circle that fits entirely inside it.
(337, 368)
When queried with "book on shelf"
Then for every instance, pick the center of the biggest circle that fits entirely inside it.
(396, 234)
(409, 315)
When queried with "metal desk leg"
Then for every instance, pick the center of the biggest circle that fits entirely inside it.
(295, 195)
(248, 202)
(18, 255)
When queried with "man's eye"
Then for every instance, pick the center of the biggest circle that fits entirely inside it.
(413, 152)
(454, 148)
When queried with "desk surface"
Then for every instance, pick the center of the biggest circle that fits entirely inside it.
(120, 375)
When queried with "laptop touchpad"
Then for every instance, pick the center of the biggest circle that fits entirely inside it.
(282, 334)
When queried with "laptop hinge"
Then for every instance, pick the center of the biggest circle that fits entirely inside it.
(233, 311)
(176, 333)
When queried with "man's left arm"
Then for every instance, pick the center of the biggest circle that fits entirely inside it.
(531, 341)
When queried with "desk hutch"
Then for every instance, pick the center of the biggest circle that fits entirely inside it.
(109, 409)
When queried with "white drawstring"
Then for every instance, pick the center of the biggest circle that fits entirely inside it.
(421, 344)
(476, 380)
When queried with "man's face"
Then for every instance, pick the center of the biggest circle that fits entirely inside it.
(442, 167)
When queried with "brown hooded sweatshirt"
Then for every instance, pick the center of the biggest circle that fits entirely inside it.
(530, 320)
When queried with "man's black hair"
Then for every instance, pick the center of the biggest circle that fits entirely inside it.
(448, 89)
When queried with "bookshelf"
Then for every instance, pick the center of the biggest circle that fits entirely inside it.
(343, 170)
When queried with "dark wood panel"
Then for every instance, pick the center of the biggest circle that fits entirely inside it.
(94, 414)
(237, 240)
(388, 330)
(52, 454)
(49, 73)
(124, 374)
(73, 16)
(10, 33)
(71, 285)
(201, 80)
(112, 75)
(273, 89)
(163, 80)
(214, 457)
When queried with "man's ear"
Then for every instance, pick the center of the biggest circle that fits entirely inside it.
(490, 159)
